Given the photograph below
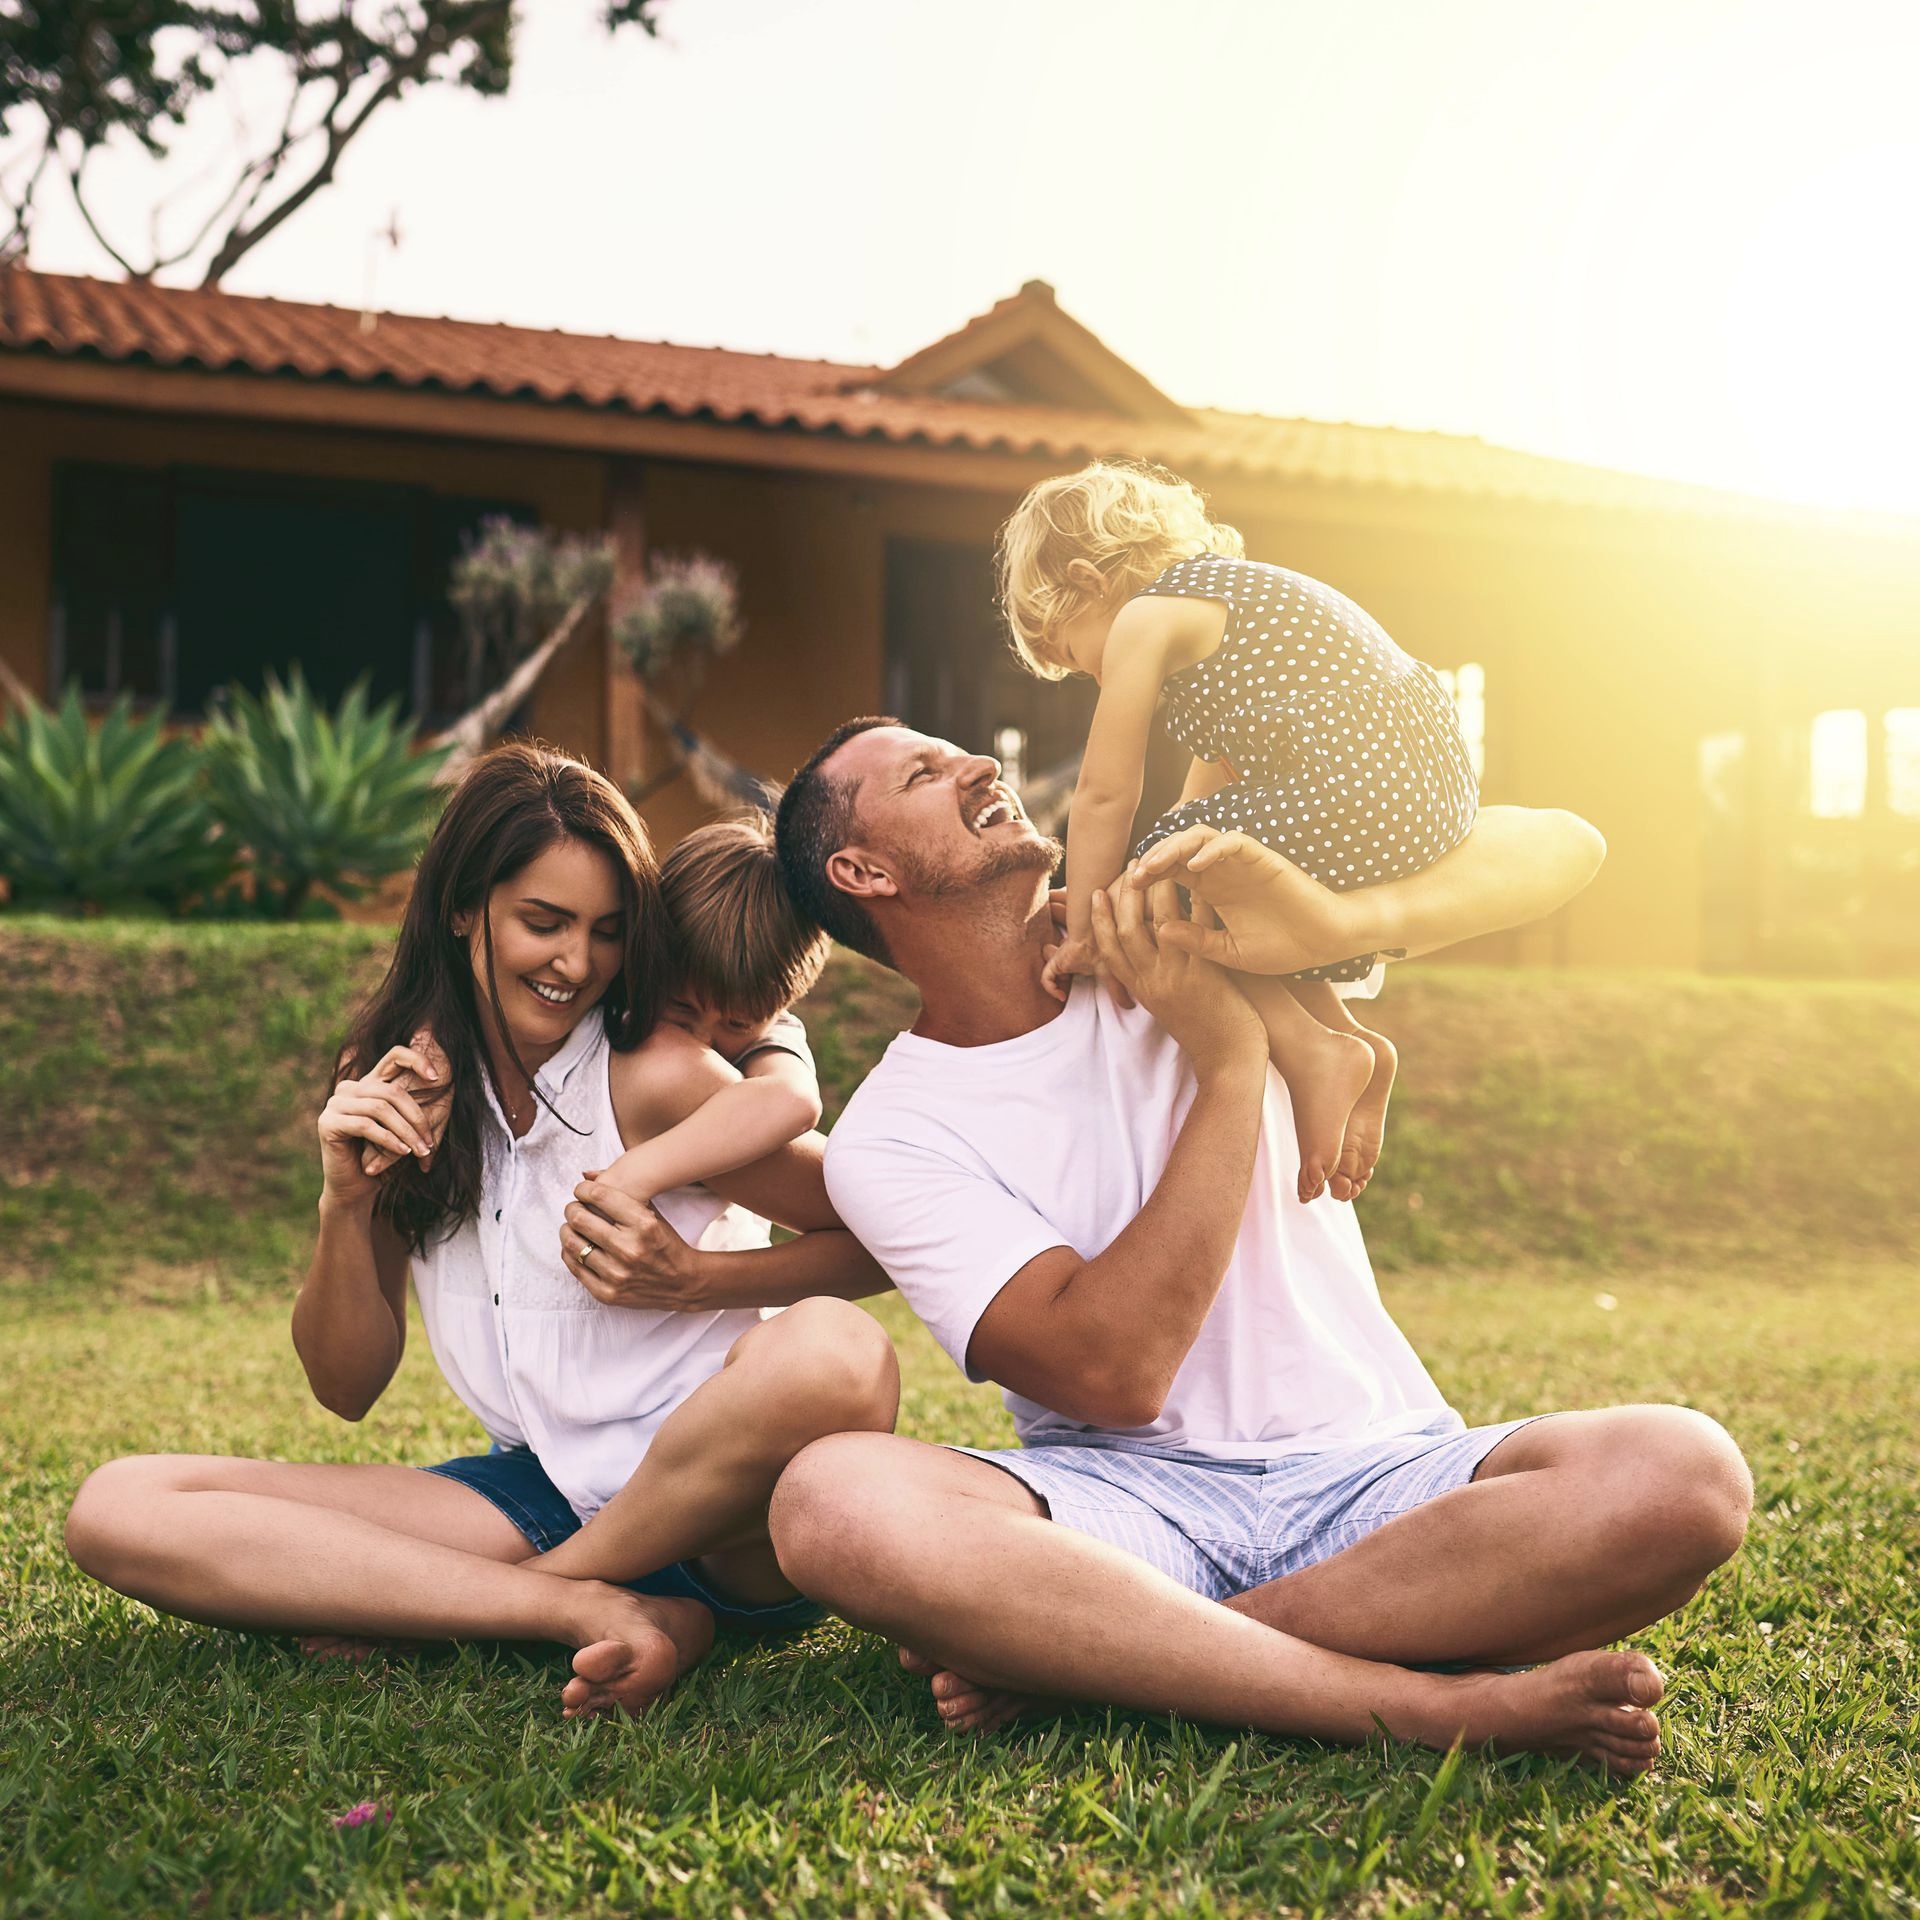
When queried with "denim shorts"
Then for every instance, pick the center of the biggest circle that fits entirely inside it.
(1221, 1527)
(513, 1479)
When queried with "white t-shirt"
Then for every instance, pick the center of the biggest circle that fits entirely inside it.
(956, 1166)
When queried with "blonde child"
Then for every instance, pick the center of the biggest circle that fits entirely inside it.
(1310, 730)
(745, 956)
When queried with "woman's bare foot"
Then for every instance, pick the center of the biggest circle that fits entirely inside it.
(1590, 1706)
(632, 1648)
(965, 1705)
(1367, 1123)
(344, 1646)
(1325, 1072)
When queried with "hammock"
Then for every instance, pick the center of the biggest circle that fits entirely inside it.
(718, 779)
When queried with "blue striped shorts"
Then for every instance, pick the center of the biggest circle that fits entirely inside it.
(1223, 1526)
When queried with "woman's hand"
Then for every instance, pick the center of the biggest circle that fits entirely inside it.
(624, 1254)
(1192, 998)
(1272, 917)
(432, 1092)
(379, 1111)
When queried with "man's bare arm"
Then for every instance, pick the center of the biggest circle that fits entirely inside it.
(1101, 1340)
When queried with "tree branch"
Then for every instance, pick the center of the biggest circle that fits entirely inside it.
(126, 266)
(241, 239)
(13, 243)
(257, 174)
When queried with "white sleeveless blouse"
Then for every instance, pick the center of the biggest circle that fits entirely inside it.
(537, 1359)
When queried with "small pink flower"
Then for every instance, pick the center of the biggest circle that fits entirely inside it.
(360, 1816)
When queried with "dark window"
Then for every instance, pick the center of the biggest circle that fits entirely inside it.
(112, 580)
(172, 584)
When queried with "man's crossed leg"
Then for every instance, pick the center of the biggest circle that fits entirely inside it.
(1576, 1530)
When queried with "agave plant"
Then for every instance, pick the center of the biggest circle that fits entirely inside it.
(317, 799)
(102, 815)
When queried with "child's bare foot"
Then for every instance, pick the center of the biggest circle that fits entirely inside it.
(1589, 1706)
(965, 1705)
(1325, 1072)
(632, 1649)
(1367, 1123)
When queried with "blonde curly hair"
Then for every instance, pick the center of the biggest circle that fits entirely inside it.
(1128, 518)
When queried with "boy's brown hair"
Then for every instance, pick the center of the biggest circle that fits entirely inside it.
(742, 944)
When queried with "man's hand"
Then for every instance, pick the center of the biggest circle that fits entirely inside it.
(1273, 917)
(1193, 999)
(623, 1253)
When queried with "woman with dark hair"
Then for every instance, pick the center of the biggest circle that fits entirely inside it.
(498, 1061)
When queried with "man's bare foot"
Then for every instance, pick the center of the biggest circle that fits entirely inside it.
(633, 1647)
(1325, 1072)
(1367, 1123)
(1590, 1706)
(965, 1705)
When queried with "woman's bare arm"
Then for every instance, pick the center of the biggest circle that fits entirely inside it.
(350, 1316)
(1517, 864)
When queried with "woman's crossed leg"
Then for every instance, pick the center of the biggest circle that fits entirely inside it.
(356, 1552)
(369, 1551)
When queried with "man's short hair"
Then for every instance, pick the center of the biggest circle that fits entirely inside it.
(743, 946)
(816, 819)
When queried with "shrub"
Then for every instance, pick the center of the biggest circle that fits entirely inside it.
(689, 610)
(513, 584)
(102, 816)
(316, 799)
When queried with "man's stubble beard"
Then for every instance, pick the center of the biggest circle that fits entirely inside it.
(1018, 856)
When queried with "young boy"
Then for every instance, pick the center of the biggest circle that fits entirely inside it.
(745, 957)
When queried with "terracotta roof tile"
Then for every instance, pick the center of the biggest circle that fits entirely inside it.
(220, 332)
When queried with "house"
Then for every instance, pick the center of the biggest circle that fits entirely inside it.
(195, 486)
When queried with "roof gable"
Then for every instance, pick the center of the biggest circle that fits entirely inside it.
(1027, 351)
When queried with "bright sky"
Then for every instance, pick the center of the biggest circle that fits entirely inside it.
(1671, 235)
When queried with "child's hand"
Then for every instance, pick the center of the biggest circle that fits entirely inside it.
(1064, 961)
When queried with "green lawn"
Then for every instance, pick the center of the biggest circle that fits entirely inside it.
(167, 1077)
(1598, 1188)
(148, 1767)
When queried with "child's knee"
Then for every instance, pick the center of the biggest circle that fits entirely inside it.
(832, 1362)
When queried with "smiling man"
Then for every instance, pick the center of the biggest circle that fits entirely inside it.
(1239, 1494)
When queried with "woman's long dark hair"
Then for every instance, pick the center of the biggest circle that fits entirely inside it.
(510, 807)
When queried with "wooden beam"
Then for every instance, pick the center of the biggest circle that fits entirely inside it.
(623, 740)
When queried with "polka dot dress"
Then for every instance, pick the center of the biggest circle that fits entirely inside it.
(1348, 751)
